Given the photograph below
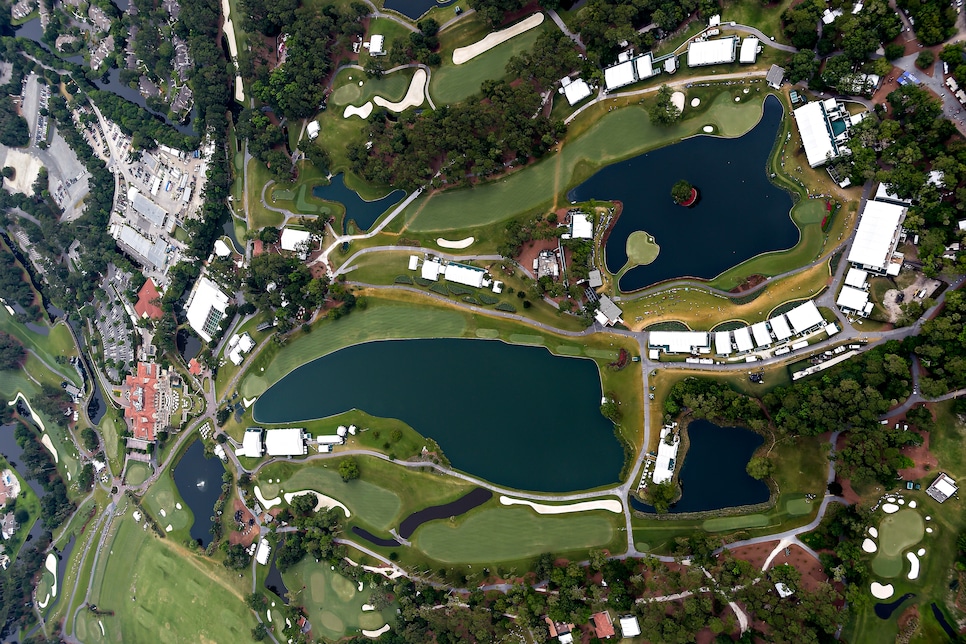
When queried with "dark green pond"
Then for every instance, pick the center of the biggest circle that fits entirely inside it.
(363, 213)
(713, 475)
(739, 214)
(517, 416)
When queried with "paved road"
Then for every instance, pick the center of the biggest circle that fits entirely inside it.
(557, 20)
(952, 109)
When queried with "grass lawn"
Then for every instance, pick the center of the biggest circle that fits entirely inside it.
(163, 497)
(754, 13)
(162, 592)
(137, 473)
(641, 248)
(258, 215)
(727, 524)
(348, 91)
(496, 533)
(110, 429)
(597, 139)
(455, 83)
(381, 498)
(58, 343)
(897, 532)
(334, 602)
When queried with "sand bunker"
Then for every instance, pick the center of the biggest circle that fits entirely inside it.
(869, 545)
(929, 530)
(45, 439)
(239, 89)
(413, 98)
(890, 508)
(873, 533)
(352, 110)
(33, 414)
(463, 243)
(268, 614)
(707, 128)
(464, 54)
(376, 633)
(912, 504)
(881, 592)
(266, 503)
(677, 100)
(921, 551)
(27, 166)
(695, 102)
(611, 505)
(248, 402)
(46, 600)
(322, 501)
(368, 608)
(50, 563)
(914, 565)
(169, 528)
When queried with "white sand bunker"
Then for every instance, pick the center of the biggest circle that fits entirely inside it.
(45, 439)
(177, 506)
(891, 499)
(266, 503)
(928, 518)
(322, 501)
(873, 533)
(376, 633)
(33, 414)
(464, 54)
(413, 98)
(363, 112)
(611, 505)
(248, 402)
(914, 565)
(707, 128)
(169, 528)
(50, 563)
(677, 100)
(868, 545)
(929, 530)
(367, 608)
(695, 102)
(463, 243)
(902, 501)
(881, 592)
(890, 508)
(912, 504)
(921, 552)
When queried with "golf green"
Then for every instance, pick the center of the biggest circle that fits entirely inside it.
(641, 248)
(507, 533)
(897, 532)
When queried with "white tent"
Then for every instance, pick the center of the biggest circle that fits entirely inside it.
(466, 275)
(804, 317)
(293, 239)
(877, 236)
(722, 343)
(678, 341)
(252, 443)
(619, 75)
(749, 50)
(285, 442)
(762, 337)
(743, 339)
(856, 277)
(577, 91)
(852, 299)
(779, 325)
(712, 52)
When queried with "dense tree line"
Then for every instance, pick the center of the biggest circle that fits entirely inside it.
(315, 37)
(55, 506)
(553, 56)
(151, 41)
(421, 46)
(264, 138)
(268, 17)
(315, 535)
(493, 11)
(14, 132)
(941, 347)
(145, 129)
(284, 285)
(935, 19)
(14, 282)
(17, 584)
(477, 138)
(11, 352)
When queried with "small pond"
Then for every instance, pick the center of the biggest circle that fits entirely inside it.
(363, 213)
(518, 416)
(713, 475)
(275, 584)
(740, 212)
(199, 482)
(470, 500)
(189, 345)
(414, 8)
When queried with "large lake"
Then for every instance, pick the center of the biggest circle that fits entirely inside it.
(515, 415)
(713, 475)
(199, 482)
(740, 214)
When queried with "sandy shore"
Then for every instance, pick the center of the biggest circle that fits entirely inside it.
(468, 53)
(414, 96)
(610, 505)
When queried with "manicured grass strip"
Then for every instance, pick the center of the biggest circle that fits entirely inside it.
(601, 354)
(163, 495)
(391, 86)
(798, 507)
(523, 338)
(137, 473)
(642, 249)
(487, 333)
(569, 350)
(160, 592)
(504, 534)
(334, 602)
(721, 524)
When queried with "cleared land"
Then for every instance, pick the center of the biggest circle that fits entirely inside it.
(504, 534)
(334, 602)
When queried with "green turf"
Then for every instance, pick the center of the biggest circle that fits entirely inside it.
(720, 524)
(642, 249)
(334, 603)
(390, 86)
(897, 532)
(455, 83)
(57, 343)
(137, 473)
(160, 592)
(525, 338)
(163, 495)
(600, 144)
(507, 533)
(377, 322)
(798, 506)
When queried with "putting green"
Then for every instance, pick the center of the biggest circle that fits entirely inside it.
(897, 532)
(333, 602)
(641, 248)
(347, 93)
(507, 533)
(798, 507)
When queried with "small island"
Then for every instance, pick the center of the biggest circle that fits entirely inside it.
(684, 194)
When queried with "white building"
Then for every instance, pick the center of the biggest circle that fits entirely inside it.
(285, 442)
(877, 237)
(296, 241)
(743, 339)
(942, 488)
(884, 192)
(466, 275)
(749, 50)
(761, 335)
(252, 443)
(619, 75)
(779, 326)
(630, 626)
(712, 52)
(376, 45)
(823, 126)
(608, 313)
(151, 254)
(148, 209)
(431, 269)
(852, 299)
(313, 130)
(263, 551)
(722, 343)
(678, 341)
(575, 90)
(856, 277)
(581, 227)
(805, 317)
(206, 308)
(667, 452)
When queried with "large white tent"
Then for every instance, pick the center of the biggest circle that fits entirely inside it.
(743, 339)
(722, 343)
(852, 299)
(678, 341)
(762, 337)
(815, 132)
(877, 236)
(804, 317)
(712, 52)
(780, 327)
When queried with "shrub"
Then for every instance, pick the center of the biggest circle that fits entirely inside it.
(503, 306)
(403, 279)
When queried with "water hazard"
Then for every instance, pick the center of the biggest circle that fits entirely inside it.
(414, 8)
(465, 503)
(515, 415)
(739, 215)
(363, 213)
(199, 482)
(713, 475)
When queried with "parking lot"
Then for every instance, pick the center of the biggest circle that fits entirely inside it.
(111, 321)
